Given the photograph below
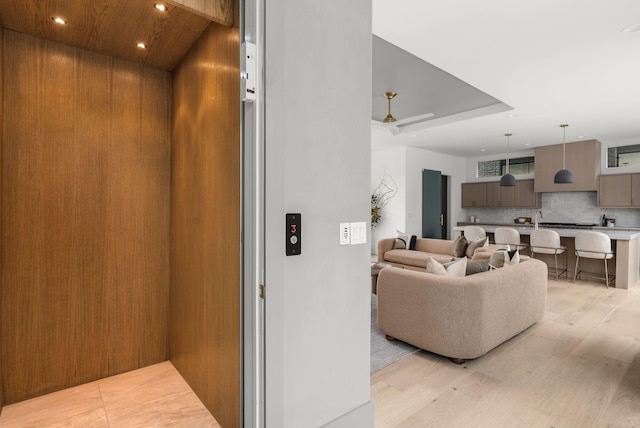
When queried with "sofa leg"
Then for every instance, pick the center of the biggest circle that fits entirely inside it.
(389, 338)
(458, 360)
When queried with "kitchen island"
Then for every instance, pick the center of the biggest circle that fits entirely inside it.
(625, 243)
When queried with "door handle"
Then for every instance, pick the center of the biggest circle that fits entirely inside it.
(441, 219)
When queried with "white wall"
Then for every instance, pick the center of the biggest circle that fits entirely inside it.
(405, 164)
(472, 166)
(318, 163)
(392, 162)
(417, 160)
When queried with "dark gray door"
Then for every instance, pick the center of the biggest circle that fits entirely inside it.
(432, 212)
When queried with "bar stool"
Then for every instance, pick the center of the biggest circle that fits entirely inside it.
(545, 241)
(474, 233)
(593, 245)
(508, 236)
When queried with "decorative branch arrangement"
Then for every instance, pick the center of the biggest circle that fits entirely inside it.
(381, 196)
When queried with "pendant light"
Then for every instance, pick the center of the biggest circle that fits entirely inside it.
(563, 176)
(508, 179)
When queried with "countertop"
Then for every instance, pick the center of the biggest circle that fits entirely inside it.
(615, 233)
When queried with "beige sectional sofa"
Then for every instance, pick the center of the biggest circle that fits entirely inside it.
(461, 317)
(440, 249)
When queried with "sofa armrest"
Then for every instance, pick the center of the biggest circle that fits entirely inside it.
(384, 245)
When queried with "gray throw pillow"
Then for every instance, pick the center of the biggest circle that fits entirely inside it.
(477, 267)
(497, 259)
(459, 248)
(471, 248)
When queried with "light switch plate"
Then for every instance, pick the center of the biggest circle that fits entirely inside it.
(345, 233)
(358, 233)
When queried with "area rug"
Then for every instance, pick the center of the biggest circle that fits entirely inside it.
(384, 352)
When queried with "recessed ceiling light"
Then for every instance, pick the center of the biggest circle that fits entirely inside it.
(161, 7)
(141, 45)
(483, 150)
(512, 115)
(580, 136)
(527, 144)
(631, 28)
(59, 20)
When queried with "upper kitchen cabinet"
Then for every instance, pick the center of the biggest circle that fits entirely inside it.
(582, 159)
(619, 191)
(492, 195)
(525, 196)
(500, 196)
(474, 195)
(614, 190)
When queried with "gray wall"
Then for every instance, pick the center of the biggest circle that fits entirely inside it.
(317, 148)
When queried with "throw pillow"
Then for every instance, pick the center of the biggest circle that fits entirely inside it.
(412, 242)
(455, 268)
(511, 257)
(471, 248)
(404, 238)
(399, 244)
(497, 259)
(477, 267)
(459, 246)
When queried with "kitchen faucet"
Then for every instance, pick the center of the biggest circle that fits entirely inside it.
(539, 213)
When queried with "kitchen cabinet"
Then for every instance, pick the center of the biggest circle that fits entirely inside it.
(619, 191)
(491, 194)
(474, 195)
(582, 159)
(635, 190)
(614, 190)
(500, 196)
(525, 195)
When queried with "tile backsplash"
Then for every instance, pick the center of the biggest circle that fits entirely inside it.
(575, 207)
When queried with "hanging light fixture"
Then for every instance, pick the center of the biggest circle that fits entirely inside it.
(508, 179)
(563, 176)
(389, 118)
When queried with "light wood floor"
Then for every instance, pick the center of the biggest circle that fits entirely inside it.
(155, 396)
(578, 367)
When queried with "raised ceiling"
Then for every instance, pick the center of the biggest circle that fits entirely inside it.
(422, 88)
(110, 27)
(552, 62)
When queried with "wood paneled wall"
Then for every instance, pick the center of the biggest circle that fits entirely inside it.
(86, 216)
(204, 320)
(220, 11)
(1, 270)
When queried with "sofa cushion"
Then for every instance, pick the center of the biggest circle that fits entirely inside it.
(399, 244)
(404, 238)
(477, 266)
(474, 267)
(455, 268)
(504, 257)
(497, 259)
(414, 258)
(511, 257)
(471, 248)
(460, 246)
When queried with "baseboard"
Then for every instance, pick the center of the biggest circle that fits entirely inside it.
(360, 417)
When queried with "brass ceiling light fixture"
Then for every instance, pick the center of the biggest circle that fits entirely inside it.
(508, 179)
(564, 176)
(389, 96)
